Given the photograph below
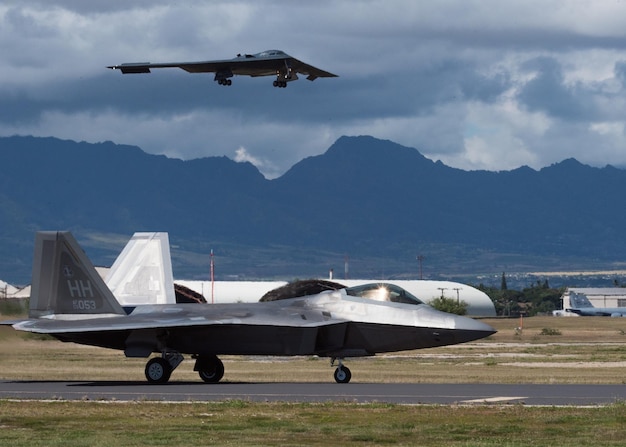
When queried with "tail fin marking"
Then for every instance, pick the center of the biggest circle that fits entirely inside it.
(579, 300)
(65, 281)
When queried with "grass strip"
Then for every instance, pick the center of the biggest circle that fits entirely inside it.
(69, 424)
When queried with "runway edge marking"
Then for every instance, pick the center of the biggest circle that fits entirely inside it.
(493, 399)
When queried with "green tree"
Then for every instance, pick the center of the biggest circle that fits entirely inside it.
(449, 305)
(539, 297)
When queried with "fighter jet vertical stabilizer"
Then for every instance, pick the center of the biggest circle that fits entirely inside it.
(65, 282)
(142, 273)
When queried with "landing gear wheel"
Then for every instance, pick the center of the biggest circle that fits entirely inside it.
(210, 369)
(343, 374)
(158, 370)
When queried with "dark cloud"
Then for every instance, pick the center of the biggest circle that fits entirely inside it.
(94, 6)
(342, 99)
(481, 84)
(547, 92)
(620, 73)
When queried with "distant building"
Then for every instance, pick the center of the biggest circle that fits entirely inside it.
(7, 291)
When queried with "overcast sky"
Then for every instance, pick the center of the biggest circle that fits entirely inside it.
(476, 84)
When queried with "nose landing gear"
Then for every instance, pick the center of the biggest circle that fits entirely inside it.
(342, 373)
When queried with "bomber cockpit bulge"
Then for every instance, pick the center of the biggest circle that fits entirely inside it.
(271, 53)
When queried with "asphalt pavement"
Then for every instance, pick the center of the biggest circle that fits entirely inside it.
(400, 393)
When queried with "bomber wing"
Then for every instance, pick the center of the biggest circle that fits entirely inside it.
(267, 63)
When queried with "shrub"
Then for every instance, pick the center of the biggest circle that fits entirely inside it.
(550, 331)
(449, 305)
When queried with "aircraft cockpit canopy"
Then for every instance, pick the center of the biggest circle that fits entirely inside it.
(383, 292)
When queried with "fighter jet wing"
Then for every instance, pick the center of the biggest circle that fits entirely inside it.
(185, 315)
(267, 63)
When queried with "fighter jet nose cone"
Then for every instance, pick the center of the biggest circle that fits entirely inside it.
(469, 329)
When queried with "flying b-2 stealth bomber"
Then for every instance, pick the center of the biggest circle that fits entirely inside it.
(267, 63)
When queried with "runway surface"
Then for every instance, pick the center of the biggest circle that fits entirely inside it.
(402, 393)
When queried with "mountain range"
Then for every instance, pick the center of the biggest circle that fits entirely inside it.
(365, 208)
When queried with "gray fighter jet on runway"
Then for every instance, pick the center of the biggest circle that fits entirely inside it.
(267, 63)
(71, 302)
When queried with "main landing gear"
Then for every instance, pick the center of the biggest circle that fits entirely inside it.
(224, 81)
(210, 368)
(159, 369)
(342, 373)
(280, 83)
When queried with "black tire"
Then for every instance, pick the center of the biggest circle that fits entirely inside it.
(211, 370)
(343, 374)
(158, 370)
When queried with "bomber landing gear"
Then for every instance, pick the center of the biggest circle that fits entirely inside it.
(225, 81)
(279, 83)
(209, 367)
(159, 369)
(342, 373)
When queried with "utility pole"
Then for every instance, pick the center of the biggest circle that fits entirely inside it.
(420, 259)
(457, 294)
